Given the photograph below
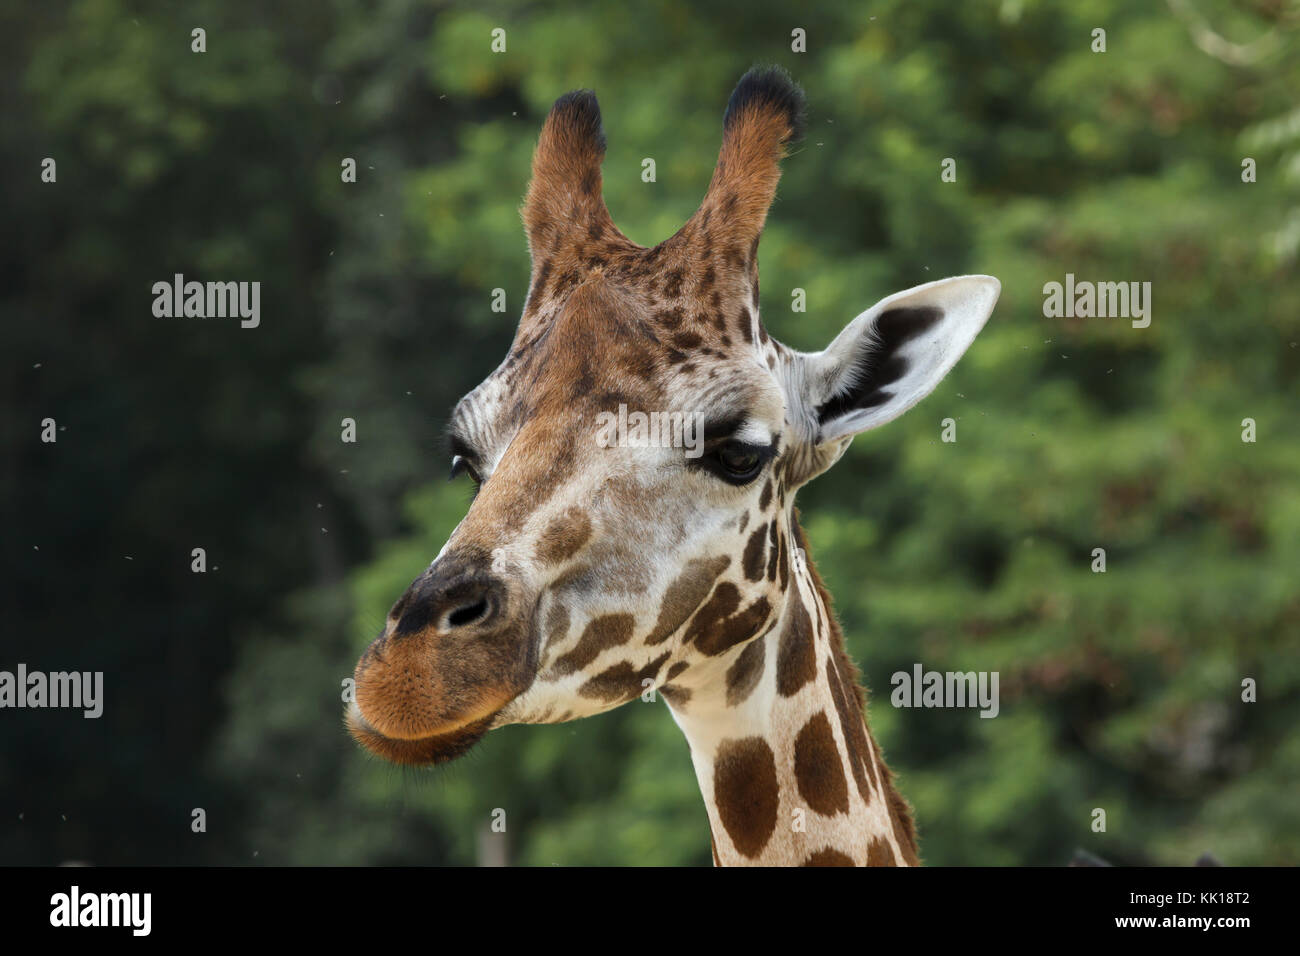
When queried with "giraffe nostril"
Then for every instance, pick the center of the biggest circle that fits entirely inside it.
(469, 614)
(454, 599)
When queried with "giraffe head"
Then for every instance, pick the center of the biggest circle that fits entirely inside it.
(605, 553)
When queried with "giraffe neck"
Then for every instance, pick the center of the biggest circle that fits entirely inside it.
(788, 768)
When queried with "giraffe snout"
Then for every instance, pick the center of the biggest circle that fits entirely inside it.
(455, 650)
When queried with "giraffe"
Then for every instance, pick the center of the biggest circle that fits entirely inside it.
(587, 573)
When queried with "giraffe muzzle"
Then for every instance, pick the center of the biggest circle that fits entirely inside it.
(455, 650)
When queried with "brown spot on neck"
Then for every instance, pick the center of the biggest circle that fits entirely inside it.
(854, 731)
(880, 853)
(819, 768)
(796, 660)
(752, 560)
(745, 672)
(745, 791)
(828, 857)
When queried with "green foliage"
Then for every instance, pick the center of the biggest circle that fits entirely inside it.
(1119, 690)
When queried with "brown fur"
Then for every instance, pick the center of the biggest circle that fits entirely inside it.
(746, 791)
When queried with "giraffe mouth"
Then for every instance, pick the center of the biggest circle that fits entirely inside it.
(419, 751)
(426, 698)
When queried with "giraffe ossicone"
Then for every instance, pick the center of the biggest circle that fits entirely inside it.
(588, 570)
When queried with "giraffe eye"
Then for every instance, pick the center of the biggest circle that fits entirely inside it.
(460, 466)
(739, 463)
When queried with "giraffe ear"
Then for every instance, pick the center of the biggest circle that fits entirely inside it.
(894, 354)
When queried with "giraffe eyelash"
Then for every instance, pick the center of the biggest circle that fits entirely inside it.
(463, 460)
(711, 461)
(460, 465)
